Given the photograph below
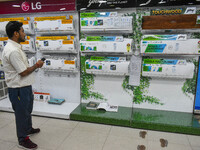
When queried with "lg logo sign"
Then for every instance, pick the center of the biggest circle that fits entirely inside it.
(26, 6)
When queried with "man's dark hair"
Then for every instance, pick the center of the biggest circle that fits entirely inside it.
(13, 26)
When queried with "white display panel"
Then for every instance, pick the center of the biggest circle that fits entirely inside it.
(64, 83)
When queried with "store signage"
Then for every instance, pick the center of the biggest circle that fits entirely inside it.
(173, 11)
(183, 2)
(104, 4)
(35, 6)
(153, 3)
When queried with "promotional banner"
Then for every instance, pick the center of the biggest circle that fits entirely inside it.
(104, 4)
(153, 3)
(35, 6)
(183, 2)
(197, 99)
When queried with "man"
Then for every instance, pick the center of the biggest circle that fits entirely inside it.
(19, 78)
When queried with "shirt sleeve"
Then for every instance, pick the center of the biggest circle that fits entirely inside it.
(17, 62)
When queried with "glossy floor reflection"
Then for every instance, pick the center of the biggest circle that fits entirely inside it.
(57, 134)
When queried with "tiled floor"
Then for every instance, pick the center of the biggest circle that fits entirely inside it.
(57, 134)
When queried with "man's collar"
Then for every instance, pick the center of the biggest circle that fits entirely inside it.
(15, 43)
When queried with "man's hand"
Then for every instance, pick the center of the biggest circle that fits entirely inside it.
(39, 63)
(29, 70)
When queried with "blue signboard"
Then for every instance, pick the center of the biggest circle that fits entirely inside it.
(197, 99)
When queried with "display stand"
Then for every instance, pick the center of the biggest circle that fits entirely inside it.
(58, 79)
(106, 48)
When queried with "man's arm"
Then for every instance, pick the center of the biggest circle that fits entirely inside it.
(29, 70)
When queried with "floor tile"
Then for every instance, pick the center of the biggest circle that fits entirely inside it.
(6, 145)
(7, 115)
(156, 145)
(123, 143)
(194, 140)
(4, 122)
(16, 148)
(38, 121)
(171, 137)
(83, 140)
(92, 127)
(127, 132)
(50, 137)
(66, 124)
(8, 133)
(196, 148)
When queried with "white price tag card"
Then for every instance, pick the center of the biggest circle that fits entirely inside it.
(135, 70)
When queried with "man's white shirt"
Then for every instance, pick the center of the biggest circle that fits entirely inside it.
(15, 62)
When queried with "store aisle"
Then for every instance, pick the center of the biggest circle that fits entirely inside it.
(57, 134)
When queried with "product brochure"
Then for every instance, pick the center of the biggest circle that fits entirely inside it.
(56, 101)
(101, 106)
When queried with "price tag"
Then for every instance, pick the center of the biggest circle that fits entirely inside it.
(135, 70)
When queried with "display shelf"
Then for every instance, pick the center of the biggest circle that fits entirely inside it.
(71, 32)
(164, 54)
(3, 97)
(185, 123)
(169, 31)
(60, 70)
(52, 110)
(59, 51)
(97, 31)
(44, 109)
(106, 73)
(30, 52)
(105, 53)
(121, 118)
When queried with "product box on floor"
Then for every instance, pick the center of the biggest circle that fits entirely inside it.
(168, 68)
(106, 44)
(169, 44)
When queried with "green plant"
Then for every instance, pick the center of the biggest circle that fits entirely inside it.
(139, 91)
(190, 84)
(87, 80)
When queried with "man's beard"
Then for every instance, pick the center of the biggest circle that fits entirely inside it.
(21, 40)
